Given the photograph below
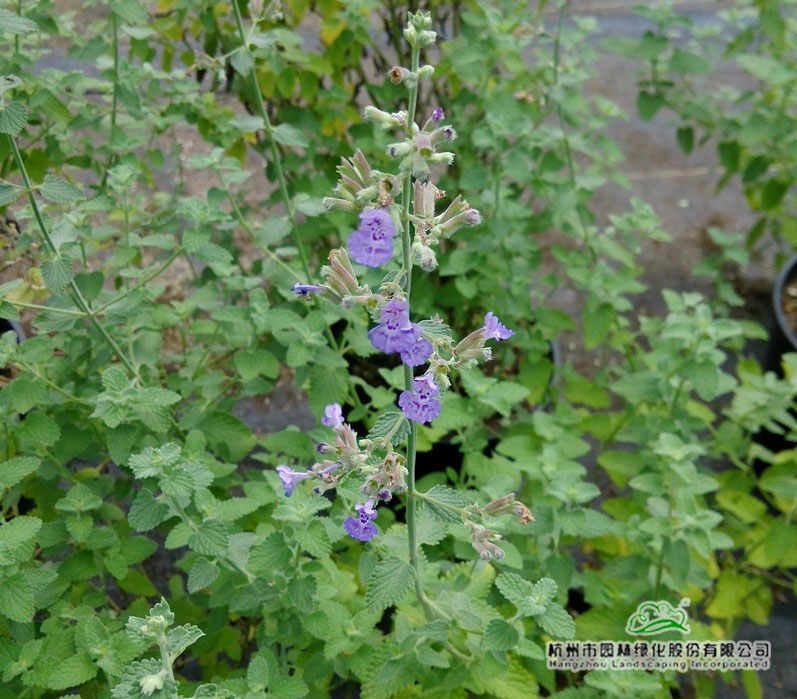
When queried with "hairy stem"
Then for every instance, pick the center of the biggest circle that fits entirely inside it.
(76, 294)
(408, 372)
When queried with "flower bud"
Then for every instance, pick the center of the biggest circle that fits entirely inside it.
(427, 259)
(472, 217)
(377, 116)
(426, 38)
(500, 505)
(426, 71)
(367, 194)
(255, 8)
(331, 203)
(411, 35)
(444, 157)
(398, 150)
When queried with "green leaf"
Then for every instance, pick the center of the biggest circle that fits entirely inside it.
(255, 363)
(72, 671)
(441, 499)
(500, 636)
(57, 274)
(146, 512)
(16, 598)
(230, 437)
(38, 430)
(289, 135)
(59, 191)
(687, 63)
(11, 23)
(8, 194)
(15, 470)
(648, 104)
(13, 116)
(597, 320)
(202, 574)
(80, 498)
(314, 539)
(242, 62)
(557, 622)
(387, 423)
(257, 673)
(390, 581)
(180, 637)
(16, 539)
(131, 11)
(247, 123)
(327, 385)
(686, 138)
(210, 538)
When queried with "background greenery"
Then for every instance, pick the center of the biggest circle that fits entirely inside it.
(152, 312)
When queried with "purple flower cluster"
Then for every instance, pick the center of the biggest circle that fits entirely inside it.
(372, 243)
(421, 404)
(396, 333)
(362, 527)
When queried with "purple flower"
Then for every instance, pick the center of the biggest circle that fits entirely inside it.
(397, 334)
(372, 243)
(305, 289)
(437, 115)
(362, 527)
(290, 478)
(333, 416)
(494, 329)
(418, 352)
(421, 405)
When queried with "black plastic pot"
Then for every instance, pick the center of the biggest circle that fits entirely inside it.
(781, 337)
(6, 325)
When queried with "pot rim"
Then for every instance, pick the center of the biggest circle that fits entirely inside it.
(785, 275)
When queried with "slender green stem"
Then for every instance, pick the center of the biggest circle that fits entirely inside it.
(55, 387)
(115, 26)
(77, 296)
(408, 372)
(277, 160)
(144, 281)
(39, 307)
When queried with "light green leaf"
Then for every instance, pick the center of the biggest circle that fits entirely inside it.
(289, 135)
(314, 539)
(59, 191)
(180, 637)
(390, 581)
(202, 574)
(441, 499)
(387, 423)
(210, 538)
(499, 636)
(80, 498)
(15, 470)
(11, 23)
(57, 274)
(146, 512)
(247, 123)
(16, 598)
(557, 622)
(242, 62)
(13, 116)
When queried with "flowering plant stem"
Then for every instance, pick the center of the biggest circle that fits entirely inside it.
(408, 371)
(275, 156)
(74, 289)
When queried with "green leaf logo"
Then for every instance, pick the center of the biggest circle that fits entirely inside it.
(653, 618)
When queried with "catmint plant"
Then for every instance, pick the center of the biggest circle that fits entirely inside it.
(402, 203)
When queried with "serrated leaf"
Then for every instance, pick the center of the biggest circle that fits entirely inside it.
(314, 539)
(390, 581)
(210, 538)
(180, 637)
(242, 62)
(289, 135)
(557, 622)
(16, 598)
(13, 116)
(387, 423)
(500, 636)
(146, 512)
(247, 123)
(8, 194)
(59, 191)
(439, 501)
(73, 671)
(257, 673)
(202, 574)
(327, 385)
(79, 498)
(57, 274)
(15, 470)
(11, 23)
(39, 430)
(230, 437)
(254, 363)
